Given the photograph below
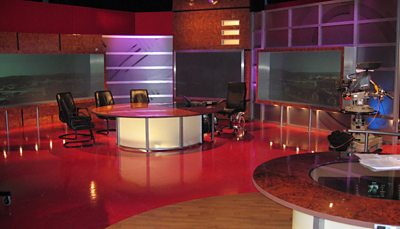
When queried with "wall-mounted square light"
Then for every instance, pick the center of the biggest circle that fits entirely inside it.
(230, 32)
(230, 41)
(230, 22)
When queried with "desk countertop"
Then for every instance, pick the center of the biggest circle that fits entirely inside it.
(143, 110)
(287, 181)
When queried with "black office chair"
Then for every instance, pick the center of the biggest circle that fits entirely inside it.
(235, 109)
(104, 98)
(139, 96)
(75, 120)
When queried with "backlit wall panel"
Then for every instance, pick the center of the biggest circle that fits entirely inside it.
(139, 62)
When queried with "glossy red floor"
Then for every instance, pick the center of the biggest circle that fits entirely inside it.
(97, 186)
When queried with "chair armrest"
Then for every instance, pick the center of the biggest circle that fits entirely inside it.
(86, 114)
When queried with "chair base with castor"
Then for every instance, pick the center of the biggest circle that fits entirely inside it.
(72, 140)
(235, 109)
(108, 129)
(6, 200)
(237, 123)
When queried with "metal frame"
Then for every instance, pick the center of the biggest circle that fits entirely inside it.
(356, 21)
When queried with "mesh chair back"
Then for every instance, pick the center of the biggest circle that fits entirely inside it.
(139, 96)
(103, 98)
(66, 106)
(236, 98)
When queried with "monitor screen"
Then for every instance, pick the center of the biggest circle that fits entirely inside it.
(309, 77)
(206, 73)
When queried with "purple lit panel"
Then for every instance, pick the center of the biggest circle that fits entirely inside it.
(277, 38)
(277, 19)
(153, 89)
(378, 32)
(376, 9)
(386, 55)
(135, 44)
(305, 16)
(138, 60)
(305, 37)
(332, 35)
(338, 12)
(152, 100)
(139, 74)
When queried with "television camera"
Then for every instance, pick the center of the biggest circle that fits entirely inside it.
(357, 89)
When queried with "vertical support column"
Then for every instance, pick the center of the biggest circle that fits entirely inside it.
(147, 134)
(319, 25)
(37, 118)
(366, 142)
(180, 132)
(38, 125)
(6, 120)
(262, 112)
(290, 27)
(212, 126)
(310, 120)
(281, 124)
(396, 100)
(309, 128)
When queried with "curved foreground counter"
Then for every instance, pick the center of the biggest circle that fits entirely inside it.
(287, 181)
(154, 127)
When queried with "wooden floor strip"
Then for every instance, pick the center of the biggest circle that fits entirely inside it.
(248, 210)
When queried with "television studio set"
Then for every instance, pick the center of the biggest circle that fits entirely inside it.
(236, 114)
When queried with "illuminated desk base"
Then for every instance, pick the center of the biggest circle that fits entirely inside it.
(159, 133)
(301, 220)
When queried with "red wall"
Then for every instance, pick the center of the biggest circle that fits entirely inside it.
(37, 17)
(154, 23)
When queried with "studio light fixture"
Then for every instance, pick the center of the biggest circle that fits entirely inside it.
(214, 2)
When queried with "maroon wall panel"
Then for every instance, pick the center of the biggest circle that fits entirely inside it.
(154, 23)
(36, 17)
(202, 29)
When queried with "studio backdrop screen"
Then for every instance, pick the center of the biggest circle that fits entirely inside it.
(309, 77)
(34, 78)
(207, 73)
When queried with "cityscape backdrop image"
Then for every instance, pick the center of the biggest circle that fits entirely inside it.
(35, 78)
(301, 77)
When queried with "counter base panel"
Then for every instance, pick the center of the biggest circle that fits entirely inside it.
(159, 133)
(304, 221)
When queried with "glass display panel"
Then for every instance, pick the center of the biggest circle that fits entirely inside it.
(301, 77)
(34, 78)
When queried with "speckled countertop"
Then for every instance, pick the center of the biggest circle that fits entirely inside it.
(287, 181)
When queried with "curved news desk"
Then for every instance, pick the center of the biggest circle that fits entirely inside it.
(156, 127)
(292, 182)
